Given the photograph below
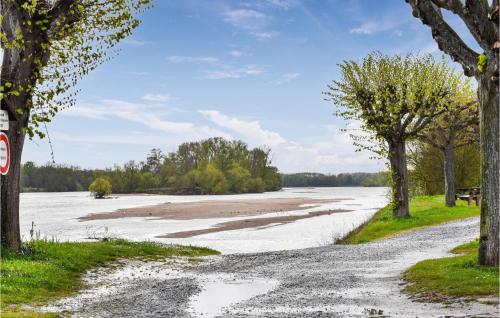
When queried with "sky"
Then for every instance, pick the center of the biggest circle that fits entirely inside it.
(249, 70)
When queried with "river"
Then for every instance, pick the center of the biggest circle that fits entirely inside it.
(55, 216)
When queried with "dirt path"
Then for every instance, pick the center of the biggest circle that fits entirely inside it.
(330, 281)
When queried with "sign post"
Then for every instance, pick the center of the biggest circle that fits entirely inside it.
(4, 148)
(4, 120)
(4, 154)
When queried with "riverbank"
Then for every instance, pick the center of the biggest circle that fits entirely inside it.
(424, 211)
(451, 278)
(329, 281)
(47, 270)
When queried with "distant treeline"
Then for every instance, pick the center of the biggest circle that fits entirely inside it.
(308, 179)
(212, 166)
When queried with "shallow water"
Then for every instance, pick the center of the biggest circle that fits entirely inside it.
(221, 291)
(107, 287)
(55, 215)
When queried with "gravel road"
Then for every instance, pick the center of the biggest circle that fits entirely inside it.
(330, 281)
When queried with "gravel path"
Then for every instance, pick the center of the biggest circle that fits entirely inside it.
(331, 281)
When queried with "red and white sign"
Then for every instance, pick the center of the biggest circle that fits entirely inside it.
(4, 154)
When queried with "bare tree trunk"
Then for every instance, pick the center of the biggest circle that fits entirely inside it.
(490, 170)
(397, 158)
(11, 237)
(449, 174)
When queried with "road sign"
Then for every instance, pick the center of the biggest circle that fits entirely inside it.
(4, 120)
(4, 154)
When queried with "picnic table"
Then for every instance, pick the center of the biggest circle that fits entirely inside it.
(468, 194)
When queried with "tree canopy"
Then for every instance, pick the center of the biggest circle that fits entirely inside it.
(394, 98)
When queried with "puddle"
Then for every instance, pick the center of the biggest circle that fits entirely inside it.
(221, 292)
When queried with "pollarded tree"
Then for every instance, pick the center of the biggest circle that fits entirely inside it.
(48, 45)
(456, 127)
(481, 19)
(394, 98)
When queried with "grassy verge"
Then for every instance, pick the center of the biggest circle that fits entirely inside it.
(459, 276)
(424, 211)
(48, 270)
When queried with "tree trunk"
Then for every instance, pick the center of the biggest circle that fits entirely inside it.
(449, 174)
(17, 69)
(11, 237)
(490, 170)
(397, 158)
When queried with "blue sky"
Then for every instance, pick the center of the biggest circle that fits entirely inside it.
(250, 70)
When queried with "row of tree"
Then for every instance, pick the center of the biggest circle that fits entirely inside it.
(397, 104)
(427, 172)
(357, 179)
(411, 102)
(212, 166)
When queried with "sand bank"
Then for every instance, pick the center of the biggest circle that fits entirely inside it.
(212, 209)
(249, 223)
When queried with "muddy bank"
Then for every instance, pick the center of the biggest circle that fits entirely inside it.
(250, 223)
(212, 209)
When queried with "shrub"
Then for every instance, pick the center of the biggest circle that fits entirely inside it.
(100, 188)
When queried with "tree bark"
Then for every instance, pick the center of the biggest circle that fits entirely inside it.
(490, 170)
(11, 235)
(397, 158)
(17, 69)
(449, 174)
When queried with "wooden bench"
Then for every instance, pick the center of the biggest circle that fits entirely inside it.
(468, 194)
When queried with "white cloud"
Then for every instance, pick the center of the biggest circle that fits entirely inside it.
(149, 116)
(283, 4)
(397, 33)
(266, 4)
(134, 42)
(252, 131)
(285, 78)
(235, 53)
(193, 59)
(264, 35)
(231, 72)
(334, 153)
(159, 98)
(246, 18)
(253, 22)
(372, 27)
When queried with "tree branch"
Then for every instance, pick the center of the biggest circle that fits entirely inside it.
(448, 40)
(64, 14)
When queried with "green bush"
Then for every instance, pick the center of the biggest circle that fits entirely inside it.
(238, 178)
(212, 180)
(100, 188)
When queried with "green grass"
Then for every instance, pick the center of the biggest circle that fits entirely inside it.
(424, 211)
(458, 276)
(48, 270)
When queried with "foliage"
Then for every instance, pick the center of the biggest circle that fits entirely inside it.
(54, 178)
(425, 211)
(242, 171)
(482, 62)
(458, 123)
(308, 179)
(100, 188)
(211, 166)
(62, 41)
(392, 97)
(47, 270)
(426, 173)
(454, 276)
